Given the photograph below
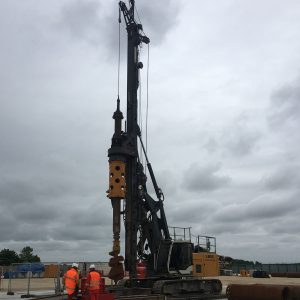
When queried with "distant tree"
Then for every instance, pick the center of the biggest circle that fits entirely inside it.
(8, 257)
(26, 255)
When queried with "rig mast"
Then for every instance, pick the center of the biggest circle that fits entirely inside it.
(123, 154)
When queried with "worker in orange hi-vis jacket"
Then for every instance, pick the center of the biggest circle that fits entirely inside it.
(93, 282)
(71, 281)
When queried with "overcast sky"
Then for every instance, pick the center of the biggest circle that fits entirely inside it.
(223, 130)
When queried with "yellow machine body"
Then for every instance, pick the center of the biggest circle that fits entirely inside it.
(206, 264)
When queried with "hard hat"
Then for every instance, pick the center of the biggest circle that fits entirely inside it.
(75, 265)
(92, 266)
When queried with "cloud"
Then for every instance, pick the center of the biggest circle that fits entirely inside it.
(167, 181)
(241, 137)
(237, 137)
(284, 178)
(285, 105)
(218, 228)
(83, 20)
(261, 208)
(45, 214)
(204, 178)
(241, 142)
(157, 19)
(195, 211)
(290, 227)
(96, 22)
(265, 207)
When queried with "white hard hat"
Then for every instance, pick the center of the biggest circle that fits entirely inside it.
(75, 265)
(92, 266)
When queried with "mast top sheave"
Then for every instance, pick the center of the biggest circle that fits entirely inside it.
(130, 20)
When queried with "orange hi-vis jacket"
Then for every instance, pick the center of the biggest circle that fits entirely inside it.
(93, 281)
(71, 280)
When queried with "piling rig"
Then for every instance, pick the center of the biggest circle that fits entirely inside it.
(147, 236)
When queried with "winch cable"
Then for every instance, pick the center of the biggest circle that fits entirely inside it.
(147, 100)
(119, 64)
(147, 91)
(140, 114)
(138, 16)
(119, 53)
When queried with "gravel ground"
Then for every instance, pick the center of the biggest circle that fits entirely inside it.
(226, 280)
(39, 284)
(36, 284)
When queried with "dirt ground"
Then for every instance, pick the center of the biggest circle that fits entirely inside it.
(249, 280)
(226, 280)
(37, 284)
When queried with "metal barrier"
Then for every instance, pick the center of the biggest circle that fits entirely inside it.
(45, 278)
(1, 277)
(180, 233)
(29, 278)
(279, 270)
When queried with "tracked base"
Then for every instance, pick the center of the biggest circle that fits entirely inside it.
(177, 288)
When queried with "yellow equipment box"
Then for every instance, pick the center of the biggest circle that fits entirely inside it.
(206, 264)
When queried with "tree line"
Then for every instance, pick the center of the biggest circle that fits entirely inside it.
(8, 257)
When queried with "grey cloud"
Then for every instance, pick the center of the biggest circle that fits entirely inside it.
(38, 211)
(194, 211)
(77, 233)
(7, 225)
(167, 181)
(15, 190)
(84, 20)
(261, 208)
(64, 251)
(241, 137)
(53, 166)
(204, 178)
(92, 214)
(218, 228)
(231, 213)
(211, 145)
(42, 223)
(271, 207)
(30, 232)
(283, 178)
(35, 190)
(96, 23)
(286, 226)
(285, 105)
(158, 19)
(241, 142)
(13, 228)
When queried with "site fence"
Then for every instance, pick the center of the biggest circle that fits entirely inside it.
(273, 269)
(41, 278)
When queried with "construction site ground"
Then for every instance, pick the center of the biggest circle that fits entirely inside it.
(44, 286)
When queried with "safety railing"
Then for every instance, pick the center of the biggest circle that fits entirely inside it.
(180, 233)
(31, 278)
(1, 276)
(203, 243)
(36, 279)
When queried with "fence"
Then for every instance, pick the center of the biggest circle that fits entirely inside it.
(41, 278)
(1, 277)
(269, 268)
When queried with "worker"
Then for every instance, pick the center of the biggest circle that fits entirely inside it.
(71, 281)
(93, 282)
